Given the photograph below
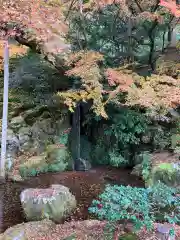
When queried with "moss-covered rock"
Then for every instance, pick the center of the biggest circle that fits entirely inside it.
(31, 115)
(54, 203)
(24, 134)
(17, 122)
(55, 159)
(129, 236)
(168, 173)
(56, 152)
(163, 166)
(33, 166)
(58, 158)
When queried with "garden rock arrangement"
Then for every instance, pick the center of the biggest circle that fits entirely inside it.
(79, 230)
(169, 173)
(54, 203)
(163, 166)
(33, 137)
(55, 159)
(46, 229)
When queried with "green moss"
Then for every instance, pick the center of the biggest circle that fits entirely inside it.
(129, 236)
(166, 167)
(166, 173)
(53, 160)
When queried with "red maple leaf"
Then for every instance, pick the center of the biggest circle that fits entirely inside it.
(171, 6)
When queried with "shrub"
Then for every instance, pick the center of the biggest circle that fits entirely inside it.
(165, 203)
(117, 160)
(139, 206)
(127, 127)
(120, 136)
(124, 203)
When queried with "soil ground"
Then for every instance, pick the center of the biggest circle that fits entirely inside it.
(86, 186)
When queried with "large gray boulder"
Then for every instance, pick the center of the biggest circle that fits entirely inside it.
(54, 203)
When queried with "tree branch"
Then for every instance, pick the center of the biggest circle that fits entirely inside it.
(55, 50)
(39, 26)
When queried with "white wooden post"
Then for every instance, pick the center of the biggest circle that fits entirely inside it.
(5, 110)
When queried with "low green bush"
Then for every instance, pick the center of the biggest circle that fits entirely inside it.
(137, 205)
(44, 168)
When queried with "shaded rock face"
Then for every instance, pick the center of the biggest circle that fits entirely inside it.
(16, 123)
(54, 203)
(24, 138)
(163, 232)
(12, 141)
(32, 105)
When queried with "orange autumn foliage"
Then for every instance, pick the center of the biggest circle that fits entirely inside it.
(171, 6)
(14, 50)
(120, 79)
(156, 91)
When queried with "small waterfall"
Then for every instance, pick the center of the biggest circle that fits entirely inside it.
(75, 137)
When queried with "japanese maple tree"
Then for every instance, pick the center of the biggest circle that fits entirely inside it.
(37, 24)
(172, 6)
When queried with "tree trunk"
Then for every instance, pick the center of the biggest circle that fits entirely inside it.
(163, 44)
(151, 54)
(130, 40)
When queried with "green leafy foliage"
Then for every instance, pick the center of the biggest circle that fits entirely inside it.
(106, 31)
(127, 126)
(137, 205)
(100, 153)
(117, 160)
(161, 138)
(124, 203)
(121, 137)
(63, 138)
(165, 202)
